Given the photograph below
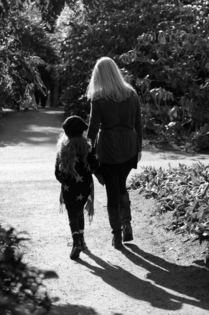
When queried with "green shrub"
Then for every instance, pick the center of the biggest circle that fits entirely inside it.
(162, 46)
(22, 291)
(25, 44)
(184, 190)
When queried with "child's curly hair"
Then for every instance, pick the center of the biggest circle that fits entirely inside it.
(69, 150)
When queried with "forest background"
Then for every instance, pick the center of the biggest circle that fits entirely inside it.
(161, 47)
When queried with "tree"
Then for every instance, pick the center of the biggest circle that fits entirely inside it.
(25, 45)
(95, 29)
(163, 47)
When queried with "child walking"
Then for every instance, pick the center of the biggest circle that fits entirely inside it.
(75, 163)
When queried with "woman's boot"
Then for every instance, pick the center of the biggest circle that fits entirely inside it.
(125, 212)
(127, 232)
(115, 223)
(76, 249)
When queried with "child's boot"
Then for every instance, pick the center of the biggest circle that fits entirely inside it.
(76, 249)
(82, 241)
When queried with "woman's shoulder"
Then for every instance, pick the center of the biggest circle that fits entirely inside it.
(96, 97)
(133, 93)
(98, 101)
(134, 97)
(130, 97)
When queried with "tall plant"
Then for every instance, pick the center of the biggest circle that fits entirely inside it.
(173, 49)
(96, 28)
(24, 46)
(22, 290)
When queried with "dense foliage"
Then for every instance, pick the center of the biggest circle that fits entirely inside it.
(22, 291)
(25, 46)
(172, 55)
(104, 28)
(184, 190)
(162, 48)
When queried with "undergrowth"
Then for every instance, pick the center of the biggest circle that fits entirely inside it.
(184, 190)
(22, 291)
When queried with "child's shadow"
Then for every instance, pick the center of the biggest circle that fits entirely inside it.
(132, 286)
(192, 281)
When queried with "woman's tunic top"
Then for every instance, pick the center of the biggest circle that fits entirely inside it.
(116, 128)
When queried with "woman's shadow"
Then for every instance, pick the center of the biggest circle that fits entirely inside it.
(140, 289)
(190, 281)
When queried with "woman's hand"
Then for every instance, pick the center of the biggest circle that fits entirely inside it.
(139, 156)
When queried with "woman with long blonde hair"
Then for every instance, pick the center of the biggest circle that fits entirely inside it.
(115, 130)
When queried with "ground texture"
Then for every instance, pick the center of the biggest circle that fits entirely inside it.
(158, 273)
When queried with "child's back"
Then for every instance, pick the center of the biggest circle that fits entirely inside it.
(73, 169)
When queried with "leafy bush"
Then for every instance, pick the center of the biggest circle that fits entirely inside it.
(25, 45)
(171, 48)
(184, 190)
(163, 47)
(22, 291)
(96, 29)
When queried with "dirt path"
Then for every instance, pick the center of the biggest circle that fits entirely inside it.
(155, 274)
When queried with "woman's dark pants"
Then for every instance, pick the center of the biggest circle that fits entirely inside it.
(118, 204)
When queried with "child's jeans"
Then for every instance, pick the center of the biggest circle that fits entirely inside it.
(74, 204)
(76, 218)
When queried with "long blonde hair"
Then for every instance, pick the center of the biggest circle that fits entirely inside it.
(68, 150)
(107, 81)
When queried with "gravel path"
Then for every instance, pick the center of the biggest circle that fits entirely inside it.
(153, 275)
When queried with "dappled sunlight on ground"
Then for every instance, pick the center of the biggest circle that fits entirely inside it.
(29, 128)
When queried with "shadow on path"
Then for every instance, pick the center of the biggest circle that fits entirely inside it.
(190, 281)
(133, 286)
(70, 309)
(40, 127)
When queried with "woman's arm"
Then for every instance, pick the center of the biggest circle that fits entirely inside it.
(94, 122)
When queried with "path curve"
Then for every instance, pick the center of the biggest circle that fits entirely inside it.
(148, 277)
